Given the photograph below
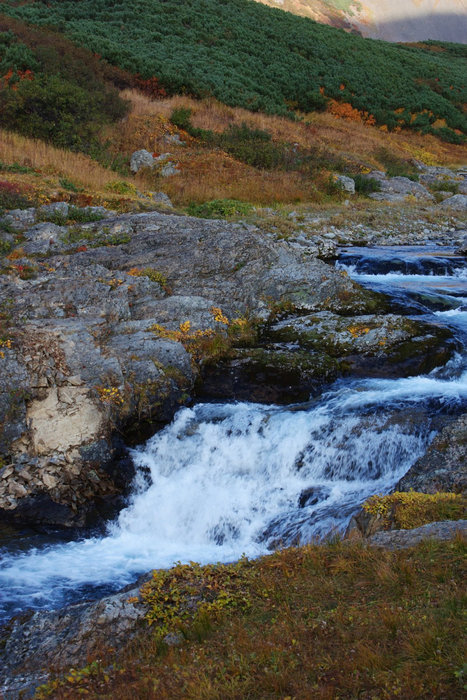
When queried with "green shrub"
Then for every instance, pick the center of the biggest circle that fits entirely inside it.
(396, 166)
(69, 185)
(366, 185)
(249, 55)
(253, 147)
(219, 209)
(15, 168)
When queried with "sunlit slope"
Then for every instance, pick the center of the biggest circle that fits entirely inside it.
(392, 20)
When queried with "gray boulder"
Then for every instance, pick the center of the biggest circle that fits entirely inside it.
(20, 219)
(402, 539)
(161, 198)
(346, 183)
(61, 208)
(398, 188)
(141, 159)
(457, 202)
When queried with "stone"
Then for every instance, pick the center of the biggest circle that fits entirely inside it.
(402, 539)
(444, 465)
(457, 202)
(61, 208)
(345, 183)
(173, 139)
(20, 219)
(398, 188)
(161, 198)
(44, 238)
(141, 159)
(169, 169)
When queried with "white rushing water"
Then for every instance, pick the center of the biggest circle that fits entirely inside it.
(224, 480)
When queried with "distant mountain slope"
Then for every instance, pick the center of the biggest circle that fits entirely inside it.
(392, 20)
(249, 55)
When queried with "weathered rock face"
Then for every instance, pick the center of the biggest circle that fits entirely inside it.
(396, 189)
(141, 159)
(34, 643)
(458, 202)
(444, 466)
(80, 365)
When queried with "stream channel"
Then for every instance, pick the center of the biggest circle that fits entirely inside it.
(226, 479)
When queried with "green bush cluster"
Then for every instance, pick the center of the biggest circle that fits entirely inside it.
(53, 90)
(219, 209)
(366, 185)
(260, 58)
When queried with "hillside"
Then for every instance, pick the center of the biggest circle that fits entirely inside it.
(266, 60)
(392, 20)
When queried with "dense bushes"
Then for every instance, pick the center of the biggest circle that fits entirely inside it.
(260, 58)
(53, 90)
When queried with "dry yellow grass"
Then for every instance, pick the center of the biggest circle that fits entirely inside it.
(353, 141)
(208, 173)
(50, 161)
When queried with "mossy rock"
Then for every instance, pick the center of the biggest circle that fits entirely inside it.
(270, 375)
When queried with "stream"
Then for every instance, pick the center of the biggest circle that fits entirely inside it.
(227, 479)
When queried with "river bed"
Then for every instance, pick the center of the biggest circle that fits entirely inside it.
(230, 479)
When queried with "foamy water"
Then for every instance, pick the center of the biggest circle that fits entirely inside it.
(224, 480)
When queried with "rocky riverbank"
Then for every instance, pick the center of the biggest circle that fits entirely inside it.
(109, 326)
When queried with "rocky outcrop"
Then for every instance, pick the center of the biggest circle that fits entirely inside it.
(33, 643)
(397, 189)
(458, 202)
(141, 159)
(92, 347)
(401, 539)
(444, 465)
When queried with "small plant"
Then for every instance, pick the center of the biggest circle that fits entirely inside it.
(15, 168)
(220, 209)
(121, 187)
(396, 166)
(5, 344)
(214, 589)
(69, 185)
(152, 274)
(12, 197)
(411, 509)
(365, 185)
(111, 396)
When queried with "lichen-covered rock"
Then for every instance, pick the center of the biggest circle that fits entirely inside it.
(34, 643)
(398, 188)
(347, 184)
(141, 159)
(377, 345)
(457, 202)
(444, 465)
(401, 539)
(83, 367)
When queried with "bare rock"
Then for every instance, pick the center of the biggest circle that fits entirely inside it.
(457, 202)
(444, 465)
(141, 159)
(401, 539)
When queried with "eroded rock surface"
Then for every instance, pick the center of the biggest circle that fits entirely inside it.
(93, 349)
(444, 465)
(80, 364)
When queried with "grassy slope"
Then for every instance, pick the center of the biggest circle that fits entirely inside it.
(249, 55)
(336, 621)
